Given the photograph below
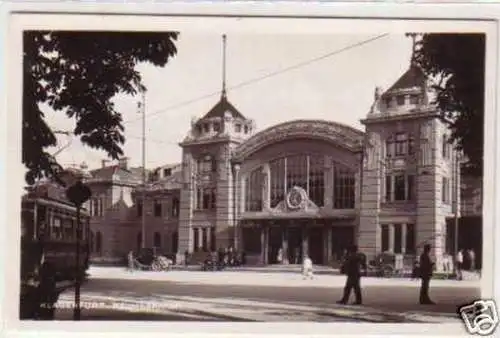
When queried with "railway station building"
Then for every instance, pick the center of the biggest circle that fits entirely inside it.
(305, 186)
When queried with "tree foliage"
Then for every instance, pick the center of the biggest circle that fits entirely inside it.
(78, 74)
(457, 61)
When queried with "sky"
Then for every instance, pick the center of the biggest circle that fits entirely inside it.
(288, 77)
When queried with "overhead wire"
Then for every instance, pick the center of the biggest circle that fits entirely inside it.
(263, 77)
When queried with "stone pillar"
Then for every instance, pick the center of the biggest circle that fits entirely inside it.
(391, 237)
(266, 187)
(186, 204)
(305, 240)
(327, 244)
(266, 245)
(200, 239)
(284, 244)
(328, 179)
(403, 238)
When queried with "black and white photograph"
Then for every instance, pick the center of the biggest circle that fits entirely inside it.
(225, 175)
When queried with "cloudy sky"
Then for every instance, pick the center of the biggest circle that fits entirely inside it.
(287, 77)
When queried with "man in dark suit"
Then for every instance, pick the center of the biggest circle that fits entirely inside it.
(352, 267)
(426, 269)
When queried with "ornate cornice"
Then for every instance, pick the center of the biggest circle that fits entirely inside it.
(336, 133)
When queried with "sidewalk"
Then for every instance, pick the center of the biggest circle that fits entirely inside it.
(253, 278)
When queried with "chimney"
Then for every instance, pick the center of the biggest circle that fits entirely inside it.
(103, 163)
(123, 162)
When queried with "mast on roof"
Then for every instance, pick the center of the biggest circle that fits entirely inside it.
(223, 66)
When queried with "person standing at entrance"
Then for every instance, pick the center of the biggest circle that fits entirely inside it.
(426, 269)
(459, 262)
(352, 266)
(279, 257)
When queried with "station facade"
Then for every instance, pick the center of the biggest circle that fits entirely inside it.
(303, 187)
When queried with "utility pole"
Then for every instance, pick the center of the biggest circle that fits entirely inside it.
(457, 192)
(142, 106)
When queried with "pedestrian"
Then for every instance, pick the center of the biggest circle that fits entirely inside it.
(352, 266)
(186, 258)
(459, 264)
(130, 260)
(279, 257)
(47, 292)
(472, 256)
(307, 267)
(426, 270)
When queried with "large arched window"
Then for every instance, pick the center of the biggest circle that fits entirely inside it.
(305, 171)
(253, 190)
(343, 188)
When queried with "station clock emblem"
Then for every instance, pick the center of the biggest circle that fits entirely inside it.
(296, 198)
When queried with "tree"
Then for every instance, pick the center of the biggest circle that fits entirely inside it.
(78, 74)
(457, 63)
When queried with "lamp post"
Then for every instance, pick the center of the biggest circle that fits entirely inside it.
(78, 194)
(236, 168)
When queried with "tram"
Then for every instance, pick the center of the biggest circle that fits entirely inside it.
(49, 226)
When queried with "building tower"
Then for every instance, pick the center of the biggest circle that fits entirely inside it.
(207, 208)
(408, 172)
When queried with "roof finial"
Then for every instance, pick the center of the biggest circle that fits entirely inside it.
(414, 47)
(223, 65)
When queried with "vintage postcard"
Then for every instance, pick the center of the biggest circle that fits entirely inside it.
(215, 171)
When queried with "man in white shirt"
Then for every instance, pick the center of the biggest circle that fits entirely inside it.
(307, 267)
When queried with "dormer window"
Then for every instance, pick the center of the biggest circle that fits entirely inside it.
(167, 172)
(237, 128)
(216, 127)
(198, 129)
(400, 99)
(414, 99)
(246, 129)
(206, 127)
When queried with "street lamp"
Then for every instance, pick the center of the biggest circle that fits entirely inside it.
(78, 194)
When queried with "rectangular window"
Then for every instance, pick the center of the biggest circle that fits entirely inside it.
(411, 146)
(237, 128)
(399, 188)
(216, 127)
(204, 239)
(384, 229)
(410, 239)
(253, 190)
(206, 198)
(398, 238)
(414, 99)
(175, 207)
(410, 193)
(157, 209)
(139, 209)
(444, 151)
(445, 190)
(206, 127)
(400, 99)
(388, 188)
(389, 148)
(388, 102)
(212, 239)
(401, 144)
(196, 239)
(167, 172)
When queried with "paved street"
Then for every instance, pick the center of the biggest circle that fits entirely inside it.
(115, 294)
